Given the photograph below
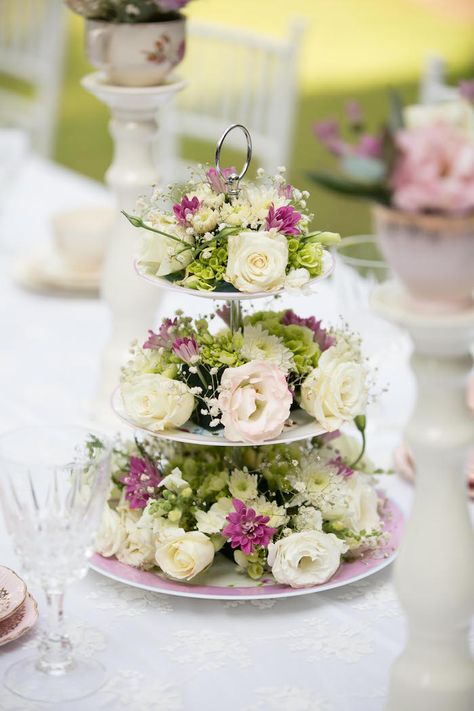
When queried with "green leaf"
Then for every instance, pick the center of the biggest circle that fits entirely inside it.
(344, 186)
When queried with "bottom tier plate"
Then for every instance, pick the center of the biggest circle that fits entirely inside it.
(223, 582)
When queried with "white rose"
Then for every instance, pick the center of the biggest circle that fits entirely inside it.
(459, 114)
(138, 548)
(360, 509)
(257, 261)
(111, 535)
(166, 255)
(348, 448)
(335, 391)
(184, 555)
(305, 558)
(156, 402)
(296, 279)
(214, 520)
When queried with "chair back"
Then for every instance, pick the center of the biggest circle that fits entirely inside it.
(31, 56)
(234, 76)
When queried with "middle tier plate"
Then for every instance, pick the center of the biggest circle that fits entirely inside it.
(300, 426)
(328, 268)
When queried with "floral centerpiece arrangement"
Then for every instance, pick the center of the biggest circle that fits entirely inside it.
(420, 160)
(134, 43)
(418, 170)
(200, 237)
(296, 511)
(246, 381)
(129, 11)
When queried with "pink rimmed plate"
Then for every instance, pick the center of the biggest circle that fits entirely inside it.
(300, 426)
(19, 622)
(223, 582)
(12, 592)
(142, 271)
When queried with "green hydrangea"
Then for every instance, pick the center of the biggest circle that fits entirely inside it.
(306, 253)
(208, 268)
(298, 339)
(221, 349)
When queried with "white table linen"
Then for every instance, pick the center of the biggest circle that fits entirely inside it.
(329, 651)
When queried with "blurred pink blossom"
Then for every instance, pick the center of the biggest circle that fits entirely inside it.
(434, 170)
(369, 146)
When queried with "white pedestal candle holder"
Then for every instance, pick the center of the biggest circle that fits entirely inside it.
(434, 572)
(132, 302)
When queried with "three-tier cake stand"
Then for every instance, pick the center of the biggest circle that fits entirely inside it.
(221, 582)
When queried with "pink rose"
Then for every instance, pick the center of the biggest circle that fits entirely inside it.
(434, 171)
(255, 401)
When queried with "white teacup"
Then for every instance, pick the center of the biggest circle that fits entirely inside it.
(141, 54)
(80, 236)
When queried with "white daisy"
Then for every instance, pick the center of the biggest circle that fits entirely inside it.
(258, 344)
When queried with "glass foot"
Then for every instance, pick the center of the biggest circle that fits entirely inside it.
(83, 679)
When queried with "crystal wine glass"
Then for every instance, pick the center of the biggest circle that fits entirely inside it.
(53, 486)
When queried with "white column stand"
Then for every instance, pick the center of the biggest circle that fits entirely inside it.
(434, 572)
(131, 300)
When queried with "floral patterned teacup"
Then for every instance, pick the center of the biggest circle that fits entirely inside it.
(141, 54)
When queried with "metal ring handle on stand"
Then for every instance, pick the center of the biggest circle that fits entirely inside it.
(232, 181)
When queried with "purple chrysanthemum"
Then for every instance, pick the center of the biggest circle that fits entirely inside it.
(284, 219)
(341, 467)
(187, 349)
(246, 530)
(321, 336)
(163, 338)
(140, 482)
(186, 208)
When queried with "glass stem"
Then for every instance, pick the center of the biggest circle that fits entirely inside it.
(55, 648)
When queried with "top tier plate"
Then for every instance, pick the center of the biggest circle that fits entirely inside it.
(328, 268)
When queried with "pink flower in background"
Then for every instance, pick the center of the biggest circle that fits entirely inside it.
(341, 467)
(434, 170)
(466, 89)
(246, 530)
(284, 219)
(254, 401)
(329, 135)
(140, 482)
(215, 180)
(185, 209)
(354, 114)
(369, 146)
(321, 336)
(187, 349)
(163, 338)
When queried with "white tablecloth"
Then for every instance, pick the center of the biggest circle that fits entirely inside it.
(329, 651)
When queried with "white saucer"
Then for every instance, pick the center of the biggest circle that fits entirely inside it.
(44, 271)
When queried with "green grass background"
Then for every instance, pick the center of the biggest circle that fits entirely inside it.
(352, 49)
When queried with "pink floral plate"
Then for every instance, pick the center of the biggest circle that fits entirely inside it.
(223, 582)
(12, 592)
(19, 622)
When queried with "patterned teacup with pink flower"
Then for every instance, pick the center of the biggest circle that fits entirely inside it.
(141, 54)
